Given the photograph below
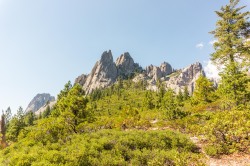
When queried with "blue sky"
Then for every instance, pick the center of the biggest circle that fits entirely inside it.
(45, 43)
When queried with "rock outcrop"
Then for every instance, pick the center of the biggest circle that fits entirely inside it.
(106, 73)
(166, 69)
(43, 108)
(81, 79)
(126, 66)
(103, 74)
(153, 72)
(185, 78)
(39, 101)
(157, 73)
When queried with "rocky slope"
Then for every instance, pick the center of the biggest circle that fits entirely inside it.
(39, 101)
(43, 108)
(106, 72)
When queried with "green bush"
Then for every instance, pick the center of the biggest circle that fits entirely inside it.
(107, 147)
(229, 130)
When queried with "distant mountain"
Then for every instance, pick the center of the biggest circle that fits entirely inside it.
(39, 101)
(106, 72)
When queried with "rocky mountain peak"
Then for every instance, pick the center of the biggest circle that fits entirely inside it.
(125, 65)
(125, 59)
(186, 78)
(166, 69)
(106, 72)
(39, 101)
(107, 57)
(102, 75)
(157, 73)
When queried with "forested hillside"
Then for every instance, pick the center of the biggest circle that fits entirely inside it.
(128, 124)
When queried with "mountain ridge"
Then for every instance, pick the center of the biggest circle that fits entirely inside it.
(106, 72)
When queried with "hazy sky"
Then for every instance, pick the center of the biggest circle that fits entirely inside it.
(45, 43)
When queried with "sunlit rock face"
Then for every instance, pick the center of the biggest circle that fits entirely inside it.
(39, 101)
(106, 72)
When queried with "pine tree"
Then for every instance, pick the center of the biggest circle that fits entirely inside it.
(72, 107)
(161, 93)
(234, 86)
(7, 115)
(3, 143)
(148, 100)
(186, 95)
(232, 31)
(47, 112)
(203, 90)
(65, 91)
(29, 118)
(231, 49)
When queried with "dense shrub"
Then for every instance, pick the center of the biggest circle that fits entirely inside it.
(107, 147)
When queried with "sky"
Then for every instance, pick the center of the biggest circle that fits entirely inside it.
(45, 43)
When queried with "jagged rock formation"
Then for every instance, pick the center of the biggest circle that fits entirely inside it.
(43, 108)
(102, 75)
(126, 65)
(185, 78)
(166, 69)
(106, 73)
(39, 101)
(81, 79)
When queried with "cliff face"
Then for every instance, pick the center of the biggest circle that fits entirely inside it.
(185, 78)
(106, 72)
(39, 101)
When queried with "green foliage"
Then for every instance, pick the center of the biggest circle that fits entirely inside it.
(230, 133)
(186, 95)
(106, 148)
(232, 51)
(47, 112)
(16, 124)
(233, 28)
(29, 119)
(113, 126)
(172, 105)
(148, 100)
(72, 107)
(203, 92)
(233, 88)
(65, 91)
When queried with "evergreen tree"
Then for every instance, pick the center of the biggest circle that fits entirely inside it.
(65, 91)
(203, 90)
(16, 124)
(29, 118)
(233, 28)
(161, 93)
(8, 116)
(47, 112)
(3, 143)
(172, 106)
(186, 95)
(148, 100)
(180, 97)
(233, 88)
(231, 49)
(72, 107)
